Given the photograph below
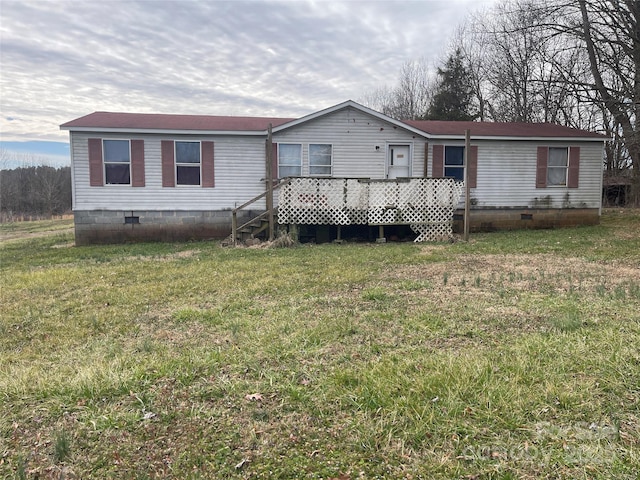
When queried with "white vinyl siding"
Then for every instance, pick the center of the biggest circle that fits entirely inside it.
(507, 175)
(239, 167)
(354, 136)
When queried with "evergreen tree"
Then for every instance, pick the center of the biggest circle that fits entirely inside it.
(452, 99)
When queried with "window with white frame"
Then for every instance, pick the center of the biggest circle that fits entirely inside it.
(454, 162)
(320, 159)
(117, 162)
(557, 166)
(188, 163)
(289, 160)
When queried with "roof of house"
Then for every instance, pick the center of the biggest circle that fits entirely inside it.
(150, 122)
(158, 121)
(499, 129)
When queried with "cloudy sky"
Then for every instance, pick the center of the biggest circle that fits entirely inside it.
(60, 59)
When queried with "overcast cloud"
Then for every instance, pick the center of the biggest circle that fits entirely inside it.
(63, 59)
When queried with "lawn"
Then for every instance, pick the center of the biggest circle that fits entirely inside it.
(513, 356)
(24, 229)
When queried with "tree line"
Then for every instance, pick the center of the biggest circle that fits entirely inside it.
(573, 63)
(40, 191)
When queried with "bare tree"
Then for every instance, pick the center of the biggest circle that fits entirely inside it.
(52, 188)
(517, 68)
(470, 42)
(410, 98)
(561, 61)
(32, 188)
(379, 99)
(610, 30)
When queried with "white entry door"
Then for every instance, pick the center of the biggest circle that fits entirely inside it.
(398, 161)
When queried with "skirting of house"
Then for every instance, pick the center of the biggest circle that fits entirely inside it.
(118, 226)
(487, 220)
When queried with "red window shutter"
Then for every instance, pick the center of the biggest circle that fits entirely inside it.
(438, 161)
(168, 164)
(574, 167)
(96, 170)
(208, 171)
(473, 166)
(274, 161)
(137, 163)
(541, 168)
(426, 159)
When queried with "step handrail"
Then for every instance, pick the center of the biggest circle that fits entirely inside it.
(234, 212)
(259, 217)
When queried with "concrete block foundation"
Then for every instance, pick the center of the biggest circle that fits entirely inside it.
(488, 220)
(120, 226)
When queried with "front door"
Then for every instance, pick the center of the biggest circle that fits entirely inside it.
(398, 161)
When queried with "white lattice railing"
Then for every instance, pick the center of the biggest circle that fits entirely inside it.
(427, 204)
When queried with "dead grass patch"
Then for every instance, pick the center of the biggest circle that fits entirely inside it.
(168, 257)
(518, 272)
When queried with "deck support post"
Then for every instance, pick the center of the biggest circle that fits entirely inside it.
(270, 174)
(339, 234)
(467, 189)
(294, 232)
(234, 228)
(381, 238)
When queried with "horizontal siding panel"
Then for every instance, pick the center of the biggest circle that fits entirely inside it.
(239, 170)
(354, 136)
(507, 176)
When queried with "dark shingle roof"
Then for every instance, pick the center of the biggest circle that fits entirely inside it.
(165, 122)
(157, 121)
(499, 129)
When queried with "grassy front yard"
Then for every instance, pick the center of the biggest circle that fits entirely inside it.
(516, 355)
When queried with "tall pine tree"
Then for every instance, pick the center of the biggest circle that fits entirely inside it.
(452, 99)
